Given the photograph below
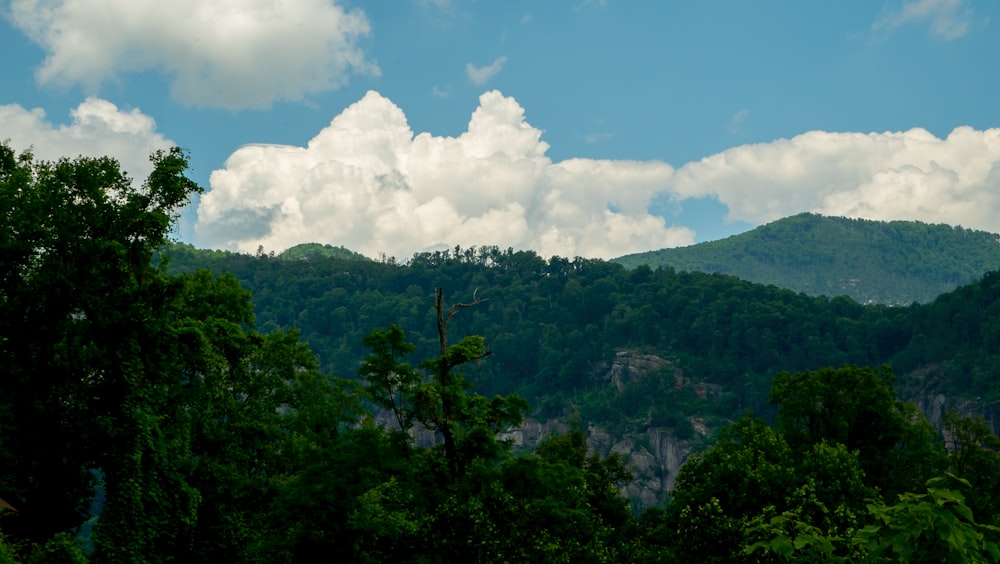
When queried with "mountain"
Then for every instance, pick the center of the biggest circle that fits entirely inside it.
(307, 251)
(190, 258)
(897, 262)
(652, 362)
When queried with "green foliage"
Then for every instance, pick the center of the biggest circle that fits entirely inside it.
(896, 262)
(553, 327)
(475, 502)
(793, 540)
(974, 456)
(389, 382)
(957, 337)
(794, 493)
(797, 491)
(60, 549)
(729, 496)
(935, 526)
(76, 290)
(153, 386)
(313, 251)
(7, 555)
(213, 441)
(857, 407)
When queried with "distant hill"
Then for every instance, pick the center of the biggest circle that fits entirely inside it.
(317, 250)
(897, 262)
(653, 361)
(187, 258)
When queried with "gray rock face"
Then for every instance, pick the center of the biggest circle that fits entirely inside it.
(925, 385)
(654, 456)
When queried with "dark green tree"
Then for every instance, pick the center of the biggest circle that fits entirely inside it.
(467, 423)
(76, 237)
(858, 408)
(154, 387)
(751, 475)
(390, 382)
(470, 498)
(934, 526)
(974, 456)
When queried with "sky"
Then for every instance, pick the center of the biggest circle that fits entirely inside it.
(592, 128)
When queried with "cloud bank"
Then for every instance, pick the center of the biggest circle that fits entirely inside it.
(220, 54)
(367, 182)
(98, 128)
(910, 175)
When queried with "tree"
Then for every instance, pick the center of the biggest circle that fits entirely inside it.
(857, 407)
(223, 418)
(467, 423)
(76, 238)
(154, 387)
(974, 456)
(423, 506)
(470, 498)
(935, 526)
(389, 382)
(751, 475)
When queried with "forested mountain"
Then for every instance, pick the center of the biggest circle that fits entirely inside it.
(315, 251)
(897, 262)
(638, 353)
(158, 403)
(554, 327)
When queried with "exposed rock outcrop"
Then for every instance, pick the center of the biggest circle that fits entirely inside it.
(654, 456)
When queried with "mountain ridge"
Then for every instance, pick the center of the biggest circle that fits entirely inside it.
(896, 262)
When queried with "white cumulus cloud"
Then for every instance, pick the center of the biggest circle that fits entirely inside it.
(217, 53)
(98, 128)
(909, 175)
(367, 182)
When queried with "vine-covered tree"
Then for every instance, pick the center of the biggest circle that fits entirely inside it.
(857, 407)
(78, 300)
(153, 388)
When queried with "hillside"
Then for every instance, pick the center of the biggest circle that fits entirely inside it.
(312, 251)
(552, 325)
(898, 262)
(652, 362)
(490, 404)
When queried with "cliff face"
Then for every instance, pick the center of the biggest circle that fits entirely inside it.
(653, 453)
(924, 390)
(654, 456)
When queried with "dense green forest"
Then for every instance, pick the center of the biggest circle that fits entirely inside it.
(154, 410)
(896, 262)
(554, 326)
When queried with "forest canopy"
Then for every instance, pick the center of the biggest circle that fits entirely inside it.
(152, 410)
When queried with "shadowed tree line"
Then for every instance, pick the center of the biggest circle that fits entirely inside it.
(149, 416)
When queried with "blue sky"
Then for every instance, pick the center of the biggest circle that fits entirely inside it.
(592, 128)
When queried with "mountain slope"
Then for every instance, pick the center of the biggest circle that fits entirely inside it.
(652, 361)
(306, 251)
(896, 262)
